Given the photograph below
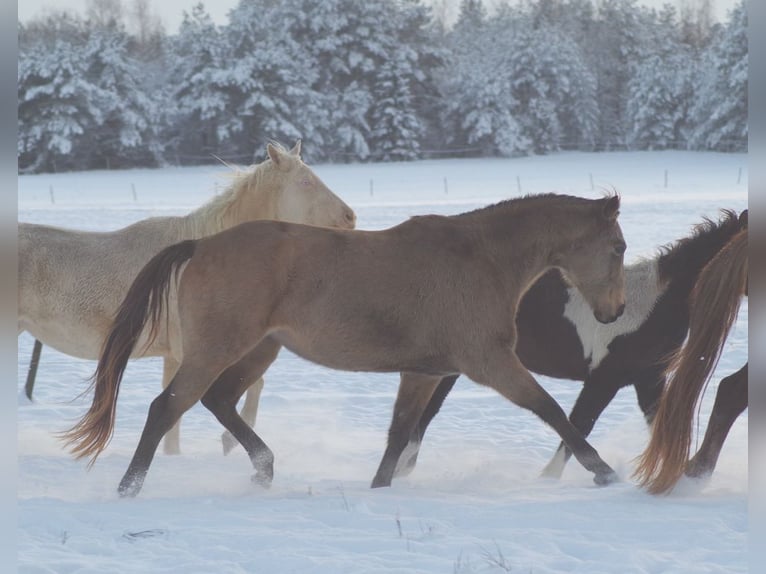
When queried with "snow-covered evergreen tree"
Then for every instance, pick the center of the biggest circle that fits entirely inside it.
(198, 56)
(55, 99)
(395, 119)
(396, 130)
(379, 80)
(554, 89)
(122, 111)
(266, 80)
(613, 48)
(661, 89)
(370, 59)
(720, 114)
(476, 87)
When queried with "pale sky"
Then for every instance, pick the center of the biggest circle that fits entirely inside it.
(170, 11)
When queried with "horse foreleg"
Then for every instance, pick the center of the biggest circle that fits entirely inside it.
(505, 373)
(172, 442)
(414, 393)
(221, 400)
(409, 456)
(594, 397)
(648, 392)
(248, 414)
(730, 402)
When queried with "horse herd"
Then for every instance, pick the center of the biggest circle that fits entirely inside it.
(533, 284)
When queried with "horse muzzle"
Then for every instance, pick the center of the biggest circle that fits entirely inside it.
(611, 317)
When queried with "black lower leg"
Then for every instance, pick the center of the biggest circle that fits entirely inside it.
(648, 392)
(225, 410)
(158, 422)
(32, 373)
(730, 402)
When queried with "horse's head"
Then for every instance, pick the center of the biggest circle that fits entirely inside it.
(301, 197)
(595, 263)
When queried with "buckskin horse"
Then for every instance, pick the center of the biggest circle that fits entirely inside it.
(431, 297)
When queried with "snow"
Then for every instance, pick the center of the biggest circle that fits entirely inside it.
(473, 504)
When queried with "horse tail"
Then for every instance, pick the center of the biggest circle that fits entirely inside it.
(144, 303)
(715, 302)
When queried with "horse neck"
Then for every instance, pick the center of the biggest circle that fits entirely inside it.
(535, 239)
(248, 198)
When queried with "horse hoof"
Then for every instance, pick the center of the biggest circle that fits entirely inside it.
(380, 483)
(262, 480)
(605, 478)
(129, 489)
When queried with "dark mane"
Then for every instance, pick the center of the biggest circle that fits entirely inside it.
(515, 201)
(689, 254)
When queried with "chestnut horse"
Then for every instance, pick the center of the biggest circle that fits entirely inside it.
(715, 303)
(71, 282)
(430, 297)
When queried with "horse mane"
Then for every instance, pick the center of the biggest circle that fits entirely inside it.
(707, 237)
(214, 215)
(532, 197)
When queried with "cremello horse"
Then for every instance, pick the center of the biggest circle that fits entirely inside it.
(72, 282)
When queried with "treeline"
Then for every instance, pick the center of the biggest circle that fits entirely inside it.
(376, 80)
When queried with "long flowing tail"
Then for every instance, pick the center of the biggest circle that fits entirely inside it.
(714, 305)
(144, 303)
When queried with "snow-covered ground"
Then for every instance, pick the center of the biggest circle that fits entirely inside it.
(474, 503)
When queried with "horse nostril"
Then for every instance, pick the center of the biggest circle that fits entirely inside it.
(621, 310)
(351, 217)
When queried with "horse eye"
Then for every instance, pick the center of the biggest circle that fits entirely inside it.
(619, 249)
(306, 182)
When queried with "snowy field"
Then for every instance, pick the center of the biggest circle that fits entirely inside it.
(474, 504)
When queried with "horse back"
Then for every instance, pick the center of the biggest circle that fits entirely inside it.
(71, 282)
(319, 291)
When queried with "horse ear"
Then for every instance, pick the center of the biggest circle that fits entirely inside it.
(296, 151)
(275, 154)
(743, 219)
(612, 208)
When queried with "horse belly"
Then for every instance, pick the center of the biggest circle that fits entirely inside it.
(68, 337)
(368, 345)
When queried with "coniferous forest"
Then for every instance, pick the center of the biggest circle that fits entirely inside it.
(379, 80)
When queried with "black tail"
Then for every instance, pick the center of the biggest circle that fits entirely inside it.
(143, 304)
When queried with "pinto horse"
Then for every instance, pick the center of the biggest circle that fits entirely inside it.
(558, 337)
(431, 297)
(71, 282)
(714, 306)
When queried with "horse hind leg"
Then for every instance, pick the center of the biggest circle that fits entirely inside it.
(221, 400)
(730, 402)
(248, 413)
(34, 362)
(189, 384)
(415, 390)
(171, 444)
